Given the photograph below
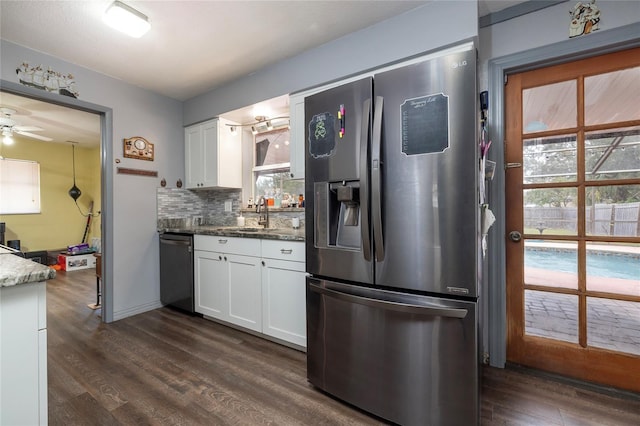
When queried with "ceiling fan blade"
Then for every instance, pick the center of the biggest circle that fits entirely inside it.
(19, 128)
(33, 135)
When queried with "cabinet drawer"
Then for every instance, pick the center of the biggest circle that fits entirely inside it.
(284, 250)
(231, 245)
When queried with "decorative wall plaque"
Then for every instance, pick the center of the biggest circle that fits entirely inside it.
(139, 148)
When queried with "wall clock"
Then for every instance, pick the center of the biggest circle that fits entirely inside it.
(139, 148)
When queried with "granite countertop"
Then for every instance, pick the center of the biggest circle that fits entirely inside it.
(288, 234)
(16, 270)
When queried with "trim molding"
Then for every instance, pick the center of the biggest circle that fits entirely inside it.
(515, 11)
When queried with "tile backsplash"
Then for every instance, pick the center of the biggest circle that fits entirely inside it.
(174, 203)
(207, 207)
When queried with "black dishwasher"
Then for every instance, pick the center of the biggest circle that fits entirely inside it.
(176, 271)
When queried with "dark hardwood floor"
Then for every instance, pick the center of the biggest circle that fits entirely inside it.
(167, 368)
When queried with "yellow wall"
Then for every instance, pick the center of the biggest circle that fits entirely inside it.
(59, 223)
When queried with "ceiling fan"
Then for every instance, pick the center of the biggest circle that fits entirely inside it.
(8, 126)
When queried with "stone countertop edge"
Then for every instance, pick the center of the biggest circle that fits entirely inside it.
(270, 234)
(15, 270)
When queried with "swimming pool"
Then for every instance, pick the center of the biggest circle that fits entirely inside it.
(610, 265)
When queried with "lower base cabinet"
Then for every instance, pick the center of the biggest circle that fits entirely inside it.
(263, 291)
(284, 301)
(23, 354)
(245, 292)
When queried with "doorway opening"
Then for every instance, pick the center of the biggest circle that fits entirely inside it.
(87, 128)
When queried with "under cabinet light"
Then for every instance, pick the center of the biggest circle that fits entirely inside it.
(126, 19)
(269, 126)
(253, 130)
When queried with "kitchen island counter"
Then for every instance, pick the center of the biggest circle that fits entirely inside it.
(287, 234)
(23, 339)
(15, 270)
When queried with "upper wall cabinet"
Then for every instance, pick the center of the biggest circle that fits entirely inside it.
(213, 157)
(296, 147)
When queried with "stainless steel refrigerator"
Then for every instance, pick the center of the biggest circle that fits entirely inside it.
(392, 242)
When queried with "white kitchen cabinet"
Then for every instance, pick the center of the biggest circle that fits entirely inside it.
(245, 291)
(211, 281)
(213, 156)
(284, 291)
(256, 284)
(296, 136)
(228, 284)
(23, 354)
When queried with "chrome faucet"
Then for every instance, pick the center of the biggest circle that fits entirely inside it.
(263, 219)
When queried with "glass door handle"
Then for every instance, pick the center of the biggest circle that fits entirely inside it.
(515, 236)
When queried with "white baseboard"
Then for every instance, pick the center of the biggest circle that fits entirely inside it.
(118, 315)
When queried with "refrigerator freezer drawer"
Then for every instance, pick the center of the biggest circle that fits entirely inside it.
(409, 359)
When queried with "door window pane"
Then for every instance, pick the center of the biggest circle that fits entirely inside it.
(550, 107)
(612, 97)
(550, 211)
(551, 263)
(612, 210)
(550, 159)
(551, 315)
(613, 324)
(613, 154)
(613, 268)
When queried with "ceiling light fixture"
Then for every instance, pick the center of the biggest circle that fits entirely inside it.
(262, 124)
(7, 136)
(126, 19)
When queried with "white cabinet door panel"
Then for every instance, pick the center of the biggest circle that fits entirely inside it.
(284, 301)
(245, 292)
(211, 284)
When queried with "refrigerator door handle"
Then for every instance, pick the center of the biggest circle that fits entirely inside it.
(391, 305)
(364, 181)
(376, 185)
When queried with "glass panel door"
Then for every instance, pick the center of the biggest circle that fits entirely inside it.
(573, 278)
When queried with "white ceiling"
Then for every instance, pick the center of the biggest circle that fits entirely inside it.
(192, 47)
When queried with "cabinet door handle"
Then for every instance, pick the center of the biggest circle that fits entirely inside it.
(286, 251)
(264, 264)
(225, 258)
(221, 241)
(220, 257)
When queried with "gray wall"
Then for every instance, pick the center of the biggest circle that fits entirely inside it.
(546, 27)
(131, 219)
(427, 28)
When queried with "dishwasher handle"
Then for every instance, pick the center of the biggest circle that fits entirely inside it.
(175, 242)
(390, 305)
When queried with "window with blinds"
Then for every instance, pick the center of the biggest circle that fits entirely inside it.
(19, 186)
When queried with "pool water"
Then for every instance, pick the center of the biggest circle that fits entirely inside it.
(599, 265)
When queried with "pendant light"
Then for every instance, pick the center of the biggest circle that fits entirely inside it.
(74, 192)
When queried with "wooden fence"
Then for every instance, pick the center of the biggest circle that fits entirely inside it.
(620, 220)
